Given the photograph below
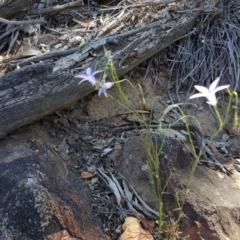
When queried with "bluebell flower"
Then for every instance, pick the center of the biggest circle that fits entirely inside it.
(104, 87)
(210, 92)
(89, 76)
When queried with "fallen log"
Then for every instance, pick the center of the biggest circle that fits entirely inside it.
(36, 90)
(10, 7)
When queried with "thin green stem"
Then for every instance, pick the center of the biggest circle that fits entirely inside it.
(222, 122)
(218, 117)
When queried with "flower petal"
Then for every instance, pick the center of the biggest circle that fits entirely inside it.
(95, 72)
(108, 85)
(81, 76)
(90, 79)
(197, 95)
(82, 81)
(212, 100)
(102, 90)
(89, 71)
(221, 88)
(214, 84)
(202, 89)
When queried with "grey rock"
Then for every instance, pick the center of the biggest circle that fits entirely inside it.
(212, 205)
(40, 199)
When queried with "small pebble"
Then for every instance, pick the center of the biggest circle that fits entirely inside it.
(86, 175)
(117, 147)
(92, 169)
(94, 180)
(237, 167)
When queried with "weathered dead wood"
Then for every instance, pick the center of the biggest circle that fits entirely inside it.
(40, 20)
(50, 10)
(34, 91)
(10, 7)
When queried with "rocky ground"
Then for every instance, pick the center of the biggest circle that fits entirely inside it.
(52, 188)
(81, 173)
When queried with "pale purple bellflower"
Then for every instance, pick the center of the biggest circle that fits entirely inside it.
(210, 92)
(90, 77)
(104, 87)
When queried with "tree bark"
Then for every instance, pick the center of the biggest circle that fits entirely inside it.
(10, 7)
(34, 91)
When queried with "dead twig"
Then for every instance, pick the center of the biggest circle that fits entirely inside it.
(40, 21)
(50, 10)
(143, 4)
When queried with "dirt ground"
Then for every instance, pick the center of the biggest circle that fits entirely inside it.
(83, 135)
